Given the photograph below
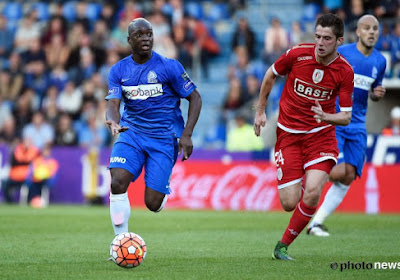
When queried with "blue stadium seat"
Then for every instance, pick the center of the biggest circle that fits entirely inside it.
(13, 11)
(194, 9)
(69, 10)
(218, 12)
(93, 11)
(42, 10)
(310, 11)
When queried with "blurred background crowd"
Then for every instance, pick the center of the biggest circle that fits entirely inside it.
(55, 57)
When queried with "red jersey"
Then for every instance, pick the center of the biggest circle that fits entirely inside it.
(307, 82)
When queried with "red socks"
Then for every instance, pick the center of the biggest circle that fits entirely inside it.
(300, 218)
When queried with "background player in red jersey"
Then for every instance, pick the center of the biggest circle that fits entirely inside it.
(306, 142)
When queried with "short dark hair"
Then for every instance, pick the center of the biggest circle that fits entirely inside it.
(333, 21)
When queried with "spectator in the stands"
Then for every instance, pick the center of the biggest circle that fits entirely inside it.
(108, 15)
(244, 37)
(79, 53)
(394, 128)
(384, 42)
(395, 51)
(241, 137)
(21, 157)
(92, 133)
(354, 12)
(10, 86)
(38, 79)
(75, 34)
(42, 173)
(8, 132)
(80, 8)
(55, 27)
(240, 68)
(112, 58)
(233, 101)
(295, 34)
(50, 106)
(100, 36)
(183, 45)
(275, 41)
(131, 10)
(39, 130)
(65, 133)
(118, 38)
(28, 30)
(70, 100)
(57, 52)
(205, 46)
(34, 53)
(86, 67)
(22, 111)
(163, 43)
(178, 11)
(6, 38)
(5, 111)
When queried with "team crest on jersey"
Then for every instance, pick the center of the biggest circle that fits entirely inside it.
(152, 77)
(317, 75)
(374, 72)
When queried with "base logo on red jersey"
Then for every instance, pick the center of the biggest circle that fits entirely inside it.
(312, 91)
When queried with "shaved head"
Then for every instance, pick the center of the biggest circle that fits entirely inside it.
(140, 38)
(368, 33)
(366, 19)
(139, 23)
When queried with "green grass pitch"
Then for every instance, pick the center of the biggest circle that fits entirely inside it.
(72, 242)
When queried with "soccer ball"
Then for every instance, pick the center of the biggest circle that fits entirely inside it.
(128, 250)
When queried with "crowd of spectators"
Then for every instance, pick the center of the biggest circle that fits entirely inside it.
(55, 59)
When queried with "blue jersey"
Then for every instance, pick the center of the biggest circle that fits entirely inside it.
(151, 92)
(368, 74)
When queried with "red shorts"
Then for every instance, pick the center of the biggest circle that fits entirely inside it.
(296, 153)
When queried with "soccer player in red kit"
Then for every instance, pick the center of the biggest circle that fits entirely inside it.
(306, 142)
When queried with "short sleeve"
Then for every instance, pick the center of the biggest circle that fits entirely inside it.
(283, 64)
(179, 79)
(346, 92)
(381, 73)
(114, 84)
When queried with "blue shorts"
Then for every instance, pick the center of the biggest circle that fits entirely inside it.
(132, 151)
(352, 144)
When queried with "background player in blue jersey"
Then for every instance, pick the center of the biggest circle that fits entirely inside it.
(369, 68)
(151, 124)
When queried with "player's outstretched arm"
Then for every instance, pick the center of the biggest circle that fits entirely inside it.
(113, 116)
(378, 93)
(341, 118)
(260, 118)
(185, 143)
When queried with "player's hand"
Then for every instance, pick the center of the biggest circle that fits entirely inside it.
(185, 145)
(319, 113)
(115, 128)
(259, 121)
(379, 92)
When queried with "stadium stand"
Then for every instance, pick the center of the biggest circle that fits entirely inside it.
(79, 53)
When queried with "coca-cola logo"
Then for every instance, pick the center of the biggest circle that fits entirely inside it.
(239, 187)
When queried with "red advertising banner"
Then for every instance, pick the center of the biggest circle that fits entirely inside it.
(251, 185)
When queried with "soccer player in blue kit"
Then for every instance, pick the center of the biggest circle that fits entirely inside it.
(151, 124)
(369, 68)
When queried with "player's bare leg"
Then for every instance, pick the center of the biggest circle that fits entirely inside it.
(154, 200)
(304, 207)
(342, 175)
(120, 209)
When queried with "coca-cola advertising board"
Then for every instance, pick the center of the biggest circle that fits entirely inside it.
(252, 186)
